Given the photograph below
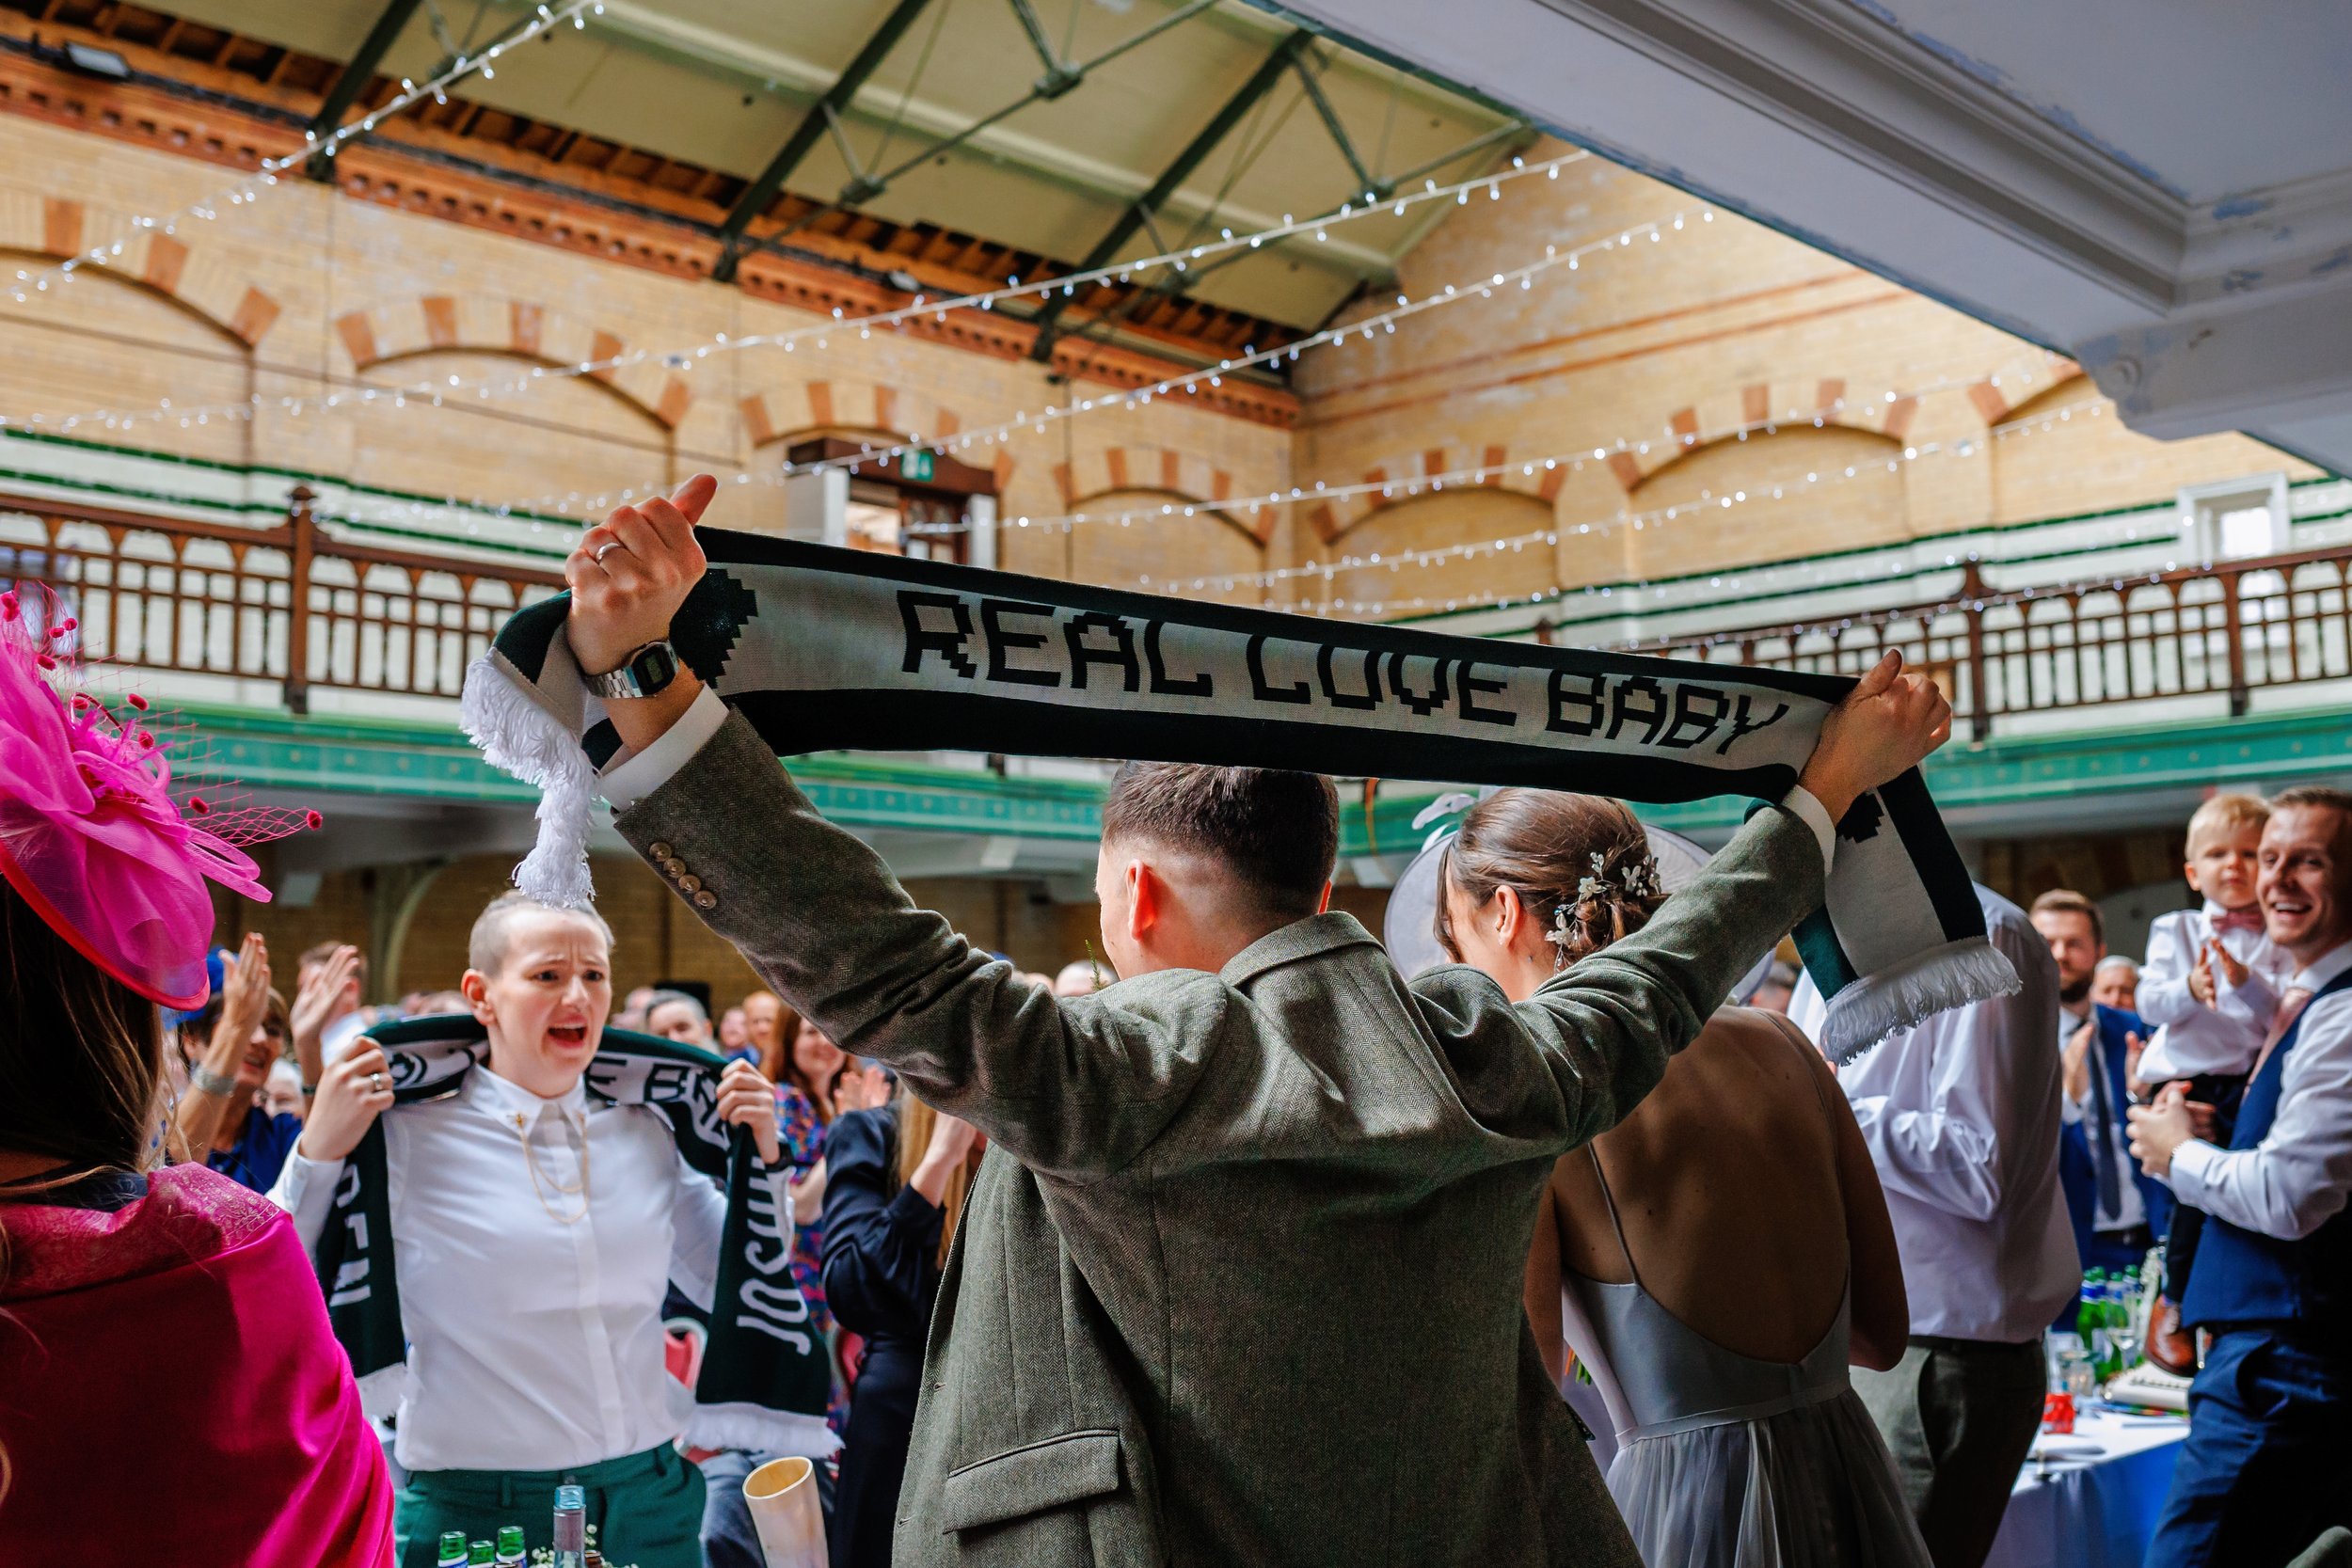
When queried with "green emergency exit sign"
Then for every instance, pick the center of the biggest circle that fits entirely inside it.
(915, 466)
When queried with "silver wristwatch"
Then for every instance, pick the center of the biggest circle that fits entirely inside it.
(647, 671)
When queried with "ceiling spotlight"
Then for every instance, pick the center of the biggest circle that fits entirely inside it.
(903, 281)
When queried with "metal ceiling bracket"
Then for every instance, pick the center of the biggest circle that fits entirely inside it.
(354, 81)
(819, 118)
(1106, 249)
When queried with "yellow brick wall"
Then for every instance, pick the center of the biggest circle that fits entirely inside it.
(1640, 372)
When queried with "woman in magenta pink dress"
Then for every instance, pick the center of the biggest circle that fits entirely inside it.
(169, 1391)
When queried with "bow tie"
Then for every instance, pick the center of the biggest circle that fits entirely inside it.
(2247, 919)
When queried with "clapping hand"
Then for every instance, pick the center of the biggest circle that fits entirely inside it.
(243, 992)
(330, 990)
(2213, 958)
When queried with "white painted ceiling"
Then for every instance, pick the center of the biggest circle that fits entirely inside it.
(2206, 100)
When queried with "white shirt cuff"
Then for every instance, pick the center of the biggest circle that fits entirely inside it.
(632, 776)
(2191, 1162)
(1815, 816)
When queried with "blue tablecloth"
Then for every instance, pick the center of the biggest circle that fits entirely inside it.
(2090, 1500)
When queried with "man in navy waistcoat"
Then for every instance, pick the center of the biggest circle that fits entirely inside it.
(2268, 1461)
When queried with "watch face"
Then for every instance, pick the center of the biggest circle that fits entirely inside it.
(653, 668)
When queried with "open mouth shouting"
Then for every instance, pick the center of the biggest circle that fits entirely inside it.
(568, 1036)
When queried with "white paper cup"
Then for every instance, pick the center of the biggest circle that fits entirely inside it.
(782, 1495)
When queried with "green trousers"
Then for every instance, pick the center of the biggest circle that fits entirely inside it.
(646, 1508)
(1959, 1416)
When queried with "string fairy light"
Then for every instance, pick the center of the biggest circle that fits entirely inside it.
(265, 176)
(685, 356)
(568, 507)
(1574, 460)
(1365, 327)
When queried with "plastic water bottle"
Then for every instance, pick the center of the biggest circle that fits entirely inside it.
(571, 1527)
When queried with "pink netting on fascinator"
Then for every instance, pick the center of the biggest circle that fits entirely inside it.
(93, 833)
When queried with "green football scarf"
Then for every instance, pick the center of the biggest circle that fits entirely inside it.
(766, 1372)
(824, 648)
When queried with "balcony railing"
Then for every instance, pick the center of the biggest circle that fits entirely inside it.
(219, 599)
(2230, 629)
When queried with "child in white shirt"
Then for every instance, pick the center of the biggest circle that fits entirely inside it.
(2211, 984)
(2212, 979)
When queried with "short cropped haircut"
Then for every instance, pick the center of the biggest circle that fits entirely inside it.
(1277, 833)
(485, 949)
(2065, 900)
(2337, 801)
(2225, 813)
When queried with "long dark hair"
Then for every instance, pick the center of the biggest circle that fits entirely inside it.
(81, 1059)
(81, 1054)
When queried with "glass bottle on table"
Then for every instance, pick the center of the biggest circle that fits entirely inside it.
(571, 1527)
(481, 1554)
(510, 1551)
(453, 1553)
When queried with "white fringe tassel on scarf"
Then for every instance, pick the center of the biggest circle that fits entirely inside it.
(508, 719)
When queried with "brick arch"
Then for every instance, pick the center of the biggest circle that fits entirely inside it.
(476, 323)
(191, 274)
(1756, 410)
(1413, 474)
(1994, 404)
(801, 407)
(1187, 476)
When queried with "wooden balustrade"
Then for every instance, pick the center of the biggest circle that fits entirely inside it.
(208, 598)
(2230, 629)
(218, 599)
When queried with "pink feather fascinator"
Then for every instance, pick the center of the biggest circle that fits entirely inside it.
(95, 836)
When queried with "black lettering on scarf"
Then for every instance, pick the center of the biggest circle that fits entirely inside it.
(1623, 709)
(1740, 727)
(1423, 707)
(1470, 710)
(1688, 716)
(1191, 686)
(1587, 703)
(1295, 692)
(923, 639)
(1369, 698)
(1083, 654)
(1002, 640)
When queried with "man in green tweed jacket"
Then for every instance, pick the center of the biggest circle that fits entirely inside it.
(1239, 1281)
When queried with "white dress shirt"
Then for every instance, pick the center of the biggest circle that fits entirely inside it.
(631, 776)
(2131, 1210)
(2191, 1038)
(533, 1344)
(2301, 1172)
(1961, 1114)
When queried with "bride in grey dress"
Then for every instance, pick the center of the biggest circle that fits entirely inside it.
(1718, 1258)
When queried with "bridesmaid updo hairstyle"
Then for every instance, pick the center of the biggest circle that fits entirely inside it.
(1579, 863)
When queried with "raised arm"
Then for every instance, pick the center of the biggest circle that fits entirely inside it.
(1074, 1089)
(210, 1102)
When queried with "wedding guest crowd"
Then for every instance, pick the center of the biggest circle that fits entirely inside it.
(1133, 1261)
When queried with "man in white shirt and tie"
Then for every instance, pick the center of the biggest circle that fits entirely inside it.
(2268, 1461)
(1961, 1117)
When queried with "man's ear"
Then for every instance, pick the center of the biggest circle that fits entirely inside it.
(1145, 895)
